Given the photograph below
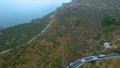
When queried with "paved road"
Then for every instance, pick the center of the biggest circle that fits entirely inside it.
(79, 62)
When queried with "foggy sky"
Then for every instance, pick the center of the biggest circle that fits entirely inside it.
(13, 12)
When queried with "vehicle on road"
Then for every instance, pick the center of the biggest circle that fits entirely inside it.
(83, 60)
(71, 64)
(101, 55)
(94, 57)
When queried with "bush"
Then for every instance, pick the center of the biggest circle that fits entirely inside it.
(77, 22)
(108, 20)
(117, 22)
(4, 65)
(108, 28)
(60, 32)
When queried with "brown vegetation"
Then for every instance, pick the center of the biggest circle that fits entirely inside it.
(76, 32)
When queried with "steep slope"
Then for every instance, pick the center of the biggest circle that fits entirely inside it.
(100, 3)
(76, 31)
(20, 34)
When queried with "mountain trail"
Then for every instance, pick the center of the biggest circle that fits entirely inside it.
(51, 21)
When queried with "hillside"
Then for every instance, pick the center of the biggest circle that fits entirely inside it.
(20, 34)
(100, 3)
(76, 30)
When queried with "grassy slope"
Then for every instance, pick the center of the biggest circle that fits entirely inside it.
(74, 34)
(20, 34)
(103, 3)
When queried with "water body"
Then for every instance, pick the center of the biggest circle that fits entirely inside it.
(13, 13)
(13, 18)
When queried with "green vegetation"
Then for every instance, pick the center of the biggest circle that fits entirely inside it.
(20, 34)
(77, 22)
(108, 20)
(109, 23)
(76, 32)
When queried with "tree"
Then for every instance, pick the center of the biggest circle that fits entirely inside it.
(108, 20)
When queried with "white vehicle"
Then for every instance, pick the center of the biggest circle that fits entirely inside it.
(83, 60)
(95, 57)
(101, 55)
(71, 64)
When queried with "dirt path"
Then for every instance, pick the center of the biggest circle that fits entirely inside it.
(51, 21)
(51, 17)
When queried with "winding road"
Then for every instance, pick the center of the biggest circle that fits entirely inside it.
(51, 21)
(78, 63)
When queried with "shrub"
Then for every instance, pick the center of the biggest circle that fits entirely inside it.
(108, 20)
(77, 22)
(4, 65)
(117, 22)
(108, 28)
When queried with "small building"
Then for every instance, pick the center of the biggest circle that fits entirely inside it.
(107, 45)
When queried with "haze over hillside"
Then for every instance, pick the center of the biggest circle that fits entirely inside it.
(75, 30)
(14, 12)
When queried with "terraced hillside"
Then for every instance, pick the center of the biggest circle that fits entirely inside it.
(77, 30)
